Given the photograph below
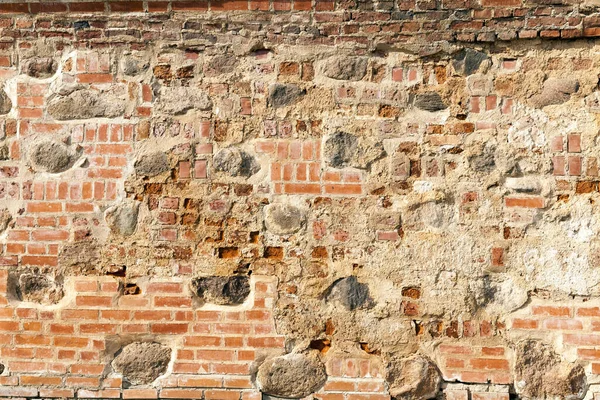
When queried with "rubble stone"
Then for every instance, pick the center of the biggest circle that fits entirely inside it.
(280, 376)
(142, 362)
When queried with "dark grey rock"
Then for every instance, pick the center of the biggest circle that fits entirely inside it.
(467, 61)
(53, 157)
(223, 290)
(79, 25)
(5, 103)
(430, 101)
(122, 218)
(413, 378)
(281, 95)
(346, 150)
(345, 68)
(4, 153)
(292, 375)
(235, 162)
(142, 362)
(133, 66)
(42, 67)
(84, 104)
(284, 219)
(350, 293)
(152, 164)
(340, 148)
(38, 288)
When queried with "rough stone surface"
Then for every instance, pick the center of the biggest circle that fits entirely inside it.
(224, 290)
(280, 376)
(38, 288)
(555, 91)
(141, 363)
(414, 377)
(53, 157)
(467, 61)
(345, 68)
(541, 374)
(179, 100)
(430, 101)
(5, 218)
(122, 218)
(152, 164)
(349, 293)
(41, 67)
(235, 162)
(5, 103)
(284, 219)
(284, 95)
(346, 150)
(84, 104)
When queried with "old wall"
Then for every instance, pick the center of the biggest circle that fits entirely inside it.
(344, 200)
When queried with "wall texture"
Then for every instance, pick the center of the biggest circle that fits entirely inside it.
(338, 200)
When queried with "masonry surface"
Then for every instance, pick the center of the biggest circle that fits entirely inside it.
(332, 200)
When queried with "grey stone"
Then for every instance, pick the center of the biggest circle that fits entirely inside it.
(540, 373)
(467, 61)
(346, 150)
(132, 66)
(5, 219)
(345, 68)
(42, 67)
(4, 153)
(221, 64)
(151, 164)
(430, 101)
(281, 95)
(53, 157)
(223, 290)
(292, 375)
(235, 162)
(5, 103)
(498, 294)
(284, 219)
(413, 378)
(350, 293)
(555, 91)
(483, 161)
(84, 104)
(38, 288)
(122, 218)
(142, 362)
(179, 100)
(79, 25)
(80, 258)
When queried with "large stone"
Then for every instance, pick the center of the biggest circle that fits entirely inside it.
(151, 164)
(42, 67)
(413, 378)
(284, 219)
(345, 68)
(235, 162)
(540, 373)
(5, 219)
(292, 375)
(5, 103)
(346, 150)
(281, 95)
(84, 104)
(4, 151)
(349, 293)
(223, 290)
(221, 64)
(555, 91)
(179, 100)
(132, 66)
(39, 288)
(52, 156)
(142, 362)
(467, 61)
(430, 101)
(122, 218)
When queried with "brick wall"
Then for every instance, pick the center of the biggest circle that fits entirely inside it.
(409, 190)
